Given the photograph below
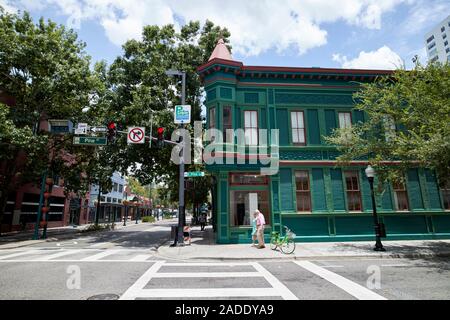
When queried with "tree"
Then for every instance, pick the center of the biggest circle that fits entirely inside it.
(142, 94)
(45, 69)
(408, 121)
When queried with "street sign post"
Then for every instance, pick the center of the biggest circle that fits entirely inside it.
(194, 174)
(182, 114)
(90, 141)
(136, 135)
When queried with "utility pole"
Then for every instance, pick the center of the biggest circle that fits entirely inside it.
(97, 213)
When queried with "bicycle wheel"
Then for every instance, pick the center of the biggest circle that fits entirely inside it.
(288, 246)
(273, 243)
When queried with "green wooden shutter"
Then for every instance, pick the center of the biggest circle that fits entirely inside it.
(432, 190)
(337, 189)
(414, 192)
(318, 192)
(283, 126)
(313, 127)
(358, 116)
(237, 119)
(365, 192)
(330, 121)
(386, 199)
(286, 190)
(263, 118)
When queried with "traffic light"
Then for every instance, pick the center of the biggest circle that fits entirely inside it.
(160, 142)
(112, 132)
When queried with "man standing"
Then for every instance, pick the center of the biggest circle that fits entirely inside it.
(260, 222)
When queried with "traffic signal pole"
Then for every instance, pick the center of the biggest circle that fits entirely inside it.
(181, 207)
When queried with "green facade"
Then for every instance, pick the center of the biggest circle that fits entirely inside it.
(320, 94)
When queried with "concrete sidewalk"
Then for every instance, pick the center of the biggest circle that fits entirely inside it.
(203, 247)
(24, 238)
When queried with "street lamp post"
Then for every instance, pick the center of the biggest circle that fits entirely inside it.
(181, 213)
(370, 173)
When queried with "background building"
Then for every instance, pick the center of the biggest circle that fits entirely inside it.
(309, 194)
(437, 42)
(111, 202)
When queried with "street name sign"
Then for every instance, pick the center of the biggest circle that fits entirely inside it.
(90, 141)
(194, 174)
(182, 114)
(99, 129)
(136, 135)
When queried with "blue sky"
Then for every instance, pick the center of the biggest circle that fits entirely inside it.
(322, 33)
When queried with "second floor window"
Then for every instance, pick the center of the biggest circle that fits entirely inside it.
(353, 191)
(400, 196)
(303, 191)
(298, 128)
(227, 125)
(345, 120)
(251, 127)
(212, 117)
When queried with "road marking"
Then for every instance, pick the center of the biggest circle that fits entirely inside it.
(206, 264)
(396, 265)
(345, 284)
(331, 266)
(75, 260)
(100, 255)
(58, 254)
(136, 289)
(210, 293)
(206, 274)
(13, 255)
(140, 257)
(286, 294)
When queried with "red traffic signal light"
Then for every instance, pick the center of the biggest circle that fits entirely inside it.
(160, 132)
(111, 126)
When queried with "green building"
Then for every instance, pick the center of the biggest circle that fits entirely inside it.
(309, 194)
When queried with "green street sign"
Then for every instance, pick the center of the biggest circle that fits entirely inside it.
(90, 141)
(194, 174)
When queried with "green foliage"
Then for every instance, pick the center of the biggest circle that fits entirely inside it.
(167, 215)
(148, 219)
(45, 68)
(418, 103)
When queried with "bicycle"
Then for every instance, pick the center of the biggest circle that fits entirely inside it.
(286, 243)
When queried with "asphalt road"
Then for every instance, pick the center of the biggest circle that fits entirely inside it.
(124, 264)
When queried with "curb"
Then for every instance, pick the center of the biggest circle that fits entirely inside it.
(321, 257)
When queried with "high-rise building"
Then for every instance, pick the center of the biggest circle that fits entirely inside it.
(437, 42)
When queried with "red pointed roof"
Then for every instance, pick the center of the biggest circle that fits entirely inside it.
(220, 51)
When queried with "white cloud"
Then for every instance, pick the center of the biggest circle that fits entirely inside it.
(255, 25)
(8, 6)
(383, 58)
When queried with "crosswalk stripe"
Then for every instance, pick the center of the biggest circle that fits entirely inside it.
(345, 284)
(100, 255)
(207, 275)
(206, 264)
(136, 289)
(276, 284)
(140, 257)
(208, 292)
(58, 254)
(22, 253)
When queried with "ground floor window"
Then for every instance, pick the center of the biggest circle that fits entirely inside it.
(353, 190)
(400, 196)
(446, 196)
(303, 191)
(244, 203)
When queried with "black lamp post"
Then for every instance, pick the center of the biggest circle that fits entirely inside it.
(370, 173)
